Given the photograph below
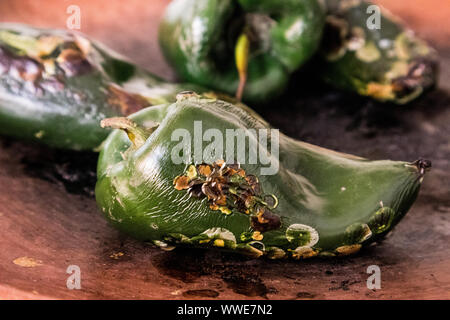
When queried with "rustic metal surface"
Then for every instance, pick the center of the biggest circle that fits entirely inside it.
(49, 216)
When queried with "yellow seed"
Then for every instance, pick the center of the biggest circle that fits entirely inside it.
(222, 200)
(39, 134)
(191, 172)
(304, 253)
(257, 235)
(225, 210)
(398, 69)
(402, 46)
(204, 241)
(27, 262)
(219, 243)
(181, 182)
(49, 66)
(242, 52)
(253, 252)
(204, 170)
(368, 53)
(380, 91)
(348, 250)
(116, 255)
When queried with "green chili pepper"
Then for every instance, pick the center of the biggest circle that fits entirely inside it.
(55, 87)
(374, 57)
(318, 203)
(200, 38)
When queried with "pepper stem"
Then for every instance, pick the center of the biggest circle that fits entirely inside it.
(242, 51)
(137, 134)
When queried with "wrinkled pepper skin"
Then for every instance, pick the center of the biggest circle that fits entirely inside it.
(389, 64)
(198, 38)
(328, 203)
(55, 87)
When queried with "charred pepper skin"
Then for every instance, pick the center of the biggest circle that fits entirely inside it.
(319, 203)
(389, 63)
(55, 87)
(198, 38)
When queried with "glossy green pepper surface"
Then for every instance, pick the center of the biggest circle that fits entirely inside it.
(55, 87)
(318, 202)
(368, 51)
(198, 38)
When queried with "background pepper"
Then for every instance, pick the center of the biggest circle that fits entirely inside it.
(320, 202)
(55, 87)
(387, 62)
(198, 38)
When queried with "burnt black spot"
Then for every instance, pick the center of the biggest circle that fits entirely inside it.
(266, 221)
(27, 68)
(195, 188)
(125, 102)
(74, 63)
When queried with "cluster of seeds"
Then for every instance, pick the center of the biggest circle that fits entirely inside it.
(230, 190)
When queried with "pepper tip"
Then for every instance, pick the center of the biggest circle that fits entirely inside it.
(422, 165)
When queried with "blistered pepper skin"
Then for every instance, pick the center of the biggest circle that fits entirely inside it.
(386, 62)
(55, 87)
(198, 38)
(327, 203)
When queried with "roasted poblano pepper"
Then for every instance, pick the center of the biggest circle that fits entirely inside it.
(55, 87)
(247, 47)
(367, 50)
(317, 203)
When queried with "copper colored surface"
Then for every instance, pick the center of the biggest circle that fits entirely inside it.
(48, 212)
